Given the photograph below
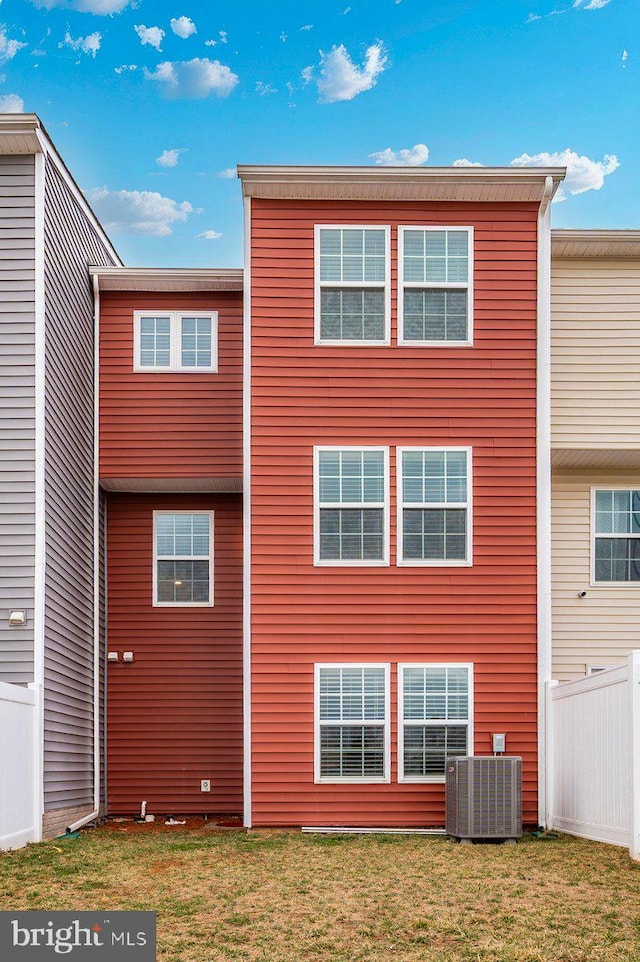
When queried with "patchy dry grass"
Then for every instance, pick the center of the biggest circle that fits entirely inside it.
(304, 898)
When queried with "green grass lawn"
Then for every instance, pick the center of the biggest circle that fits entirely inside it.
(309, 898)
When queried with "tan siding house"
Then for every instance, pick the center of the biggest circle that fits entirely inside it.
(595, 404)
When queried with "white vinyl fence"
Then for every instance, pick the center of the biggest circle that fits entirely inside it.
(594, 756)
(17, 810)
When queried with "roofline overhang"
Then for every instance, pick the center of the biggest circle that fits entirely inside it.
(496, 184)
(26, 134)
(168, 279)
(595, 243)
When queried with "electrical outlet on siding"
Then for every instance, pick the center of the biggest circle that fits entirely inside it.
(205, 785)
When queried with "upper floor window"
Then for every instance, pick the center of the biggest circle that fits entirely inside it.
(175, 341)
(351, 520)
(434, 506)
(434, 719)
(352, 285)
(616, 554)
(435, 287)
(183, 558)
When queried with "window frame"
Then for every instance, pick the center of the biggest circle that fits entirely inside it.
(436, 285)
(175, 365)
(156, 603)
(593, 583)
(317, 724)
(401, 561)
(347, 562)
(318, 285)
(432, 779)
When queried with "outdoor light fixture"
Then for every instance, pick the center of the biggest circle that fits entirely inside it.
(17, 619)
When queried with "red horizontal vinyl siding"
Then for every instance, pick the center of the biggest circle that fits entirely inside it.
(175, 714)
(305, 395)
(169, 425)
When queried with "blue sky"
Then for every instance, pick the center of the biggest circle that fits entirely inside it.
(152, 103)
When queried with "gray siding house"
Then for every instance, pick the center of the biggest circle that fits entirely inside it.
(50, 601)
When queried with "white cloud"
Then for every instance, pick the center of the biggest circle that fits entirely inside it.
(142, 212)
(307, 26)
(223, 36)
(407, 157)
(228, 172)
(463, 162)
(209, 235)
(195, 78)
(89, 44)
(8, 48)
(210, 43)
(183, 27)
(345, 11)
(169, 158)
(591, 4)
(11, 104)
(624, 58)
(151, 35)
(307, 75)
(99, 7)
(582, 172)
(263, 89)
(125, 67)
(342, 79)
(283, 37)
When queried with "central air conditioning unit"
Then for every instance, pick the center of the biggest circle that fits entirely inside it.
(484, 797)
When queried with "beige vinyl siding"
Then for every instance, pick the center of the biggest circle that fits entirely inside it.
(602, 627)
(595, 353)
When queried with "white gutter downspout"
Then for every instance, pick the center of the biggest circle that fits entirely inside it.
(543, 488)
(246, 514)
(96, 566)
(39, 495)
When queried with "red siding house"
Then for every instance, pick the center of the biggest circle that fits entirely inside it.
(323, 501)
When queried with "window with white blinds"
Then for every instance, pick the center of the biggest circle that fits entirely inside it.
(616, 527)
(352, 723)
(435, 712)
(352, 285)
(435, 289)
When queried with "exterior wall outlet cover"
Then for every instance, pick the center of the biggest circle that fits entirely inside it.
(205, 785)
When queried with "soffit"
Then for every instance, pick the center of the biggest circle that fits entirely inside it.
(595, 243)
(168, 279)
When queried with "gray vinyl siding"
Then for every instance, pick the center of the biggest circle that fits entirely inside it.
(71, 244)
(17, 413)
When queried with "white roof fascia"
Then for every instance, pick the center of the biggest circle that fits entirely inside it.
(168, 278)
(399, 183)
(595, 243)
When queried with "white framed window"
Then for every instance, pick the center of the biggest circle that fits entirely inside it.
(352, 284)
(435, 718)
(615, 526)
(435, 286)
(434, 494)
(351, 510)
(183, 558)
(352, 734)
(175, 341)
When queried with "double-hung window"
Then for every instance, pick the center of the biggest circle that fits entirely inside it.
(175, 341)
(434, 506)
(435, 288)
(183, 558)
(351, 514)
(352, 285)
(616, 526)
(352, 723)
(434, 719)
